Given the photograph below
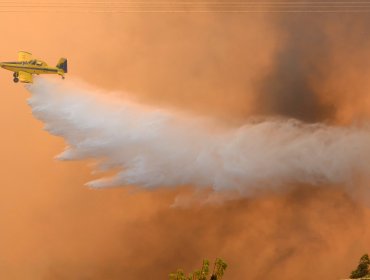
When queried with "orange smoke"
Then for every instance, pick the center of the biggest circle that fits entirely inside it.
(52, 227)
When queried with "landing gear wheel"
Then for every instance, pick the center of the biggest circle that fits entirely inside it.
(15, 74)
(16, 80)
(63, 77)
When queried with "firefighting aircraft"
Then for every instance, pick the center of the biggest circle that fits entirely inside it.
(26, 66)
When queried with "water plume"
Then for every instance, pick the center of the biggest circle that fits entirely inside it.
(154, 147)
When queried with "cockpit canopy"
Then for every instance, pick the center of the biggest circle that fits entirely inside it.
(36, 62)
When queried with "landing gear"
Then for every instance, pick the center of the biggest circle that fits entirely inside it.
(15, 74)
(16, 80)
(63, 77)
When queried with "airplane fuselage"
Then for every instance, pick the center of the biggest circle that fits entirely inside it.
(30, 68)
(24, 69)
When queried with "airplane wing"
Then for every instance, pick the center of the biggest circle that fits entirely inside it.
(25, 77)
(24, 56)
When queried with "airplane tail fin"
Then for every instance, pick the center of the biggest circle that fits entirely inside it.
(62, 64)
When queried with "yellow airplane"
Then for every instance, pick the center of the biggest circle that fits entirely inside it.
(25, 67)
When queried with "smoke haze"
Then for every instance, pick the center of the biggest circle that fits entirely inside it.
(288, 88)
(213, 72)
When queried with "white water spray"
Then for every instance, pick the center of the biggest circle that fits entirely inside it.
(155, 147)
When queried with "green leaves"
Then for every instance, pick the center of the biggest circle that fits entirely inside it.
(220, 267)
(178, 275)
(202, 274)
(362, 268)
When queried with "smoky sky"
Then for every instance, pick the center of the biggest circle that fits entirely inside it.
(295, 226)
(287, 89)
(53, 227)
